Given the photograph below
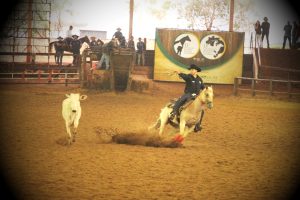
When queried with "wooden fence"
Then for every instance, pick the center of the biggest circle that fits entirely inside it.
(291, 88)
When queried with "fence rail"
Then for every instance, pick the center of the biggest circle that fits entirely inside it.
(289, 86)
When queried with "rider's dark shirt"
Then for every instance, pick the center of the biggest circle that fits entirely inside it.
(118, 35)
(192, 84)
(59, 46)
(75, 46)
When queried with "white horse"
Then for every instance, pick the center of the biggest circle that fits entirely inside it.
(189, 116)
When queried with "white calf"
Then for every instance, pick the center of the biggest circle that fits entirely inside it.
(71, 112)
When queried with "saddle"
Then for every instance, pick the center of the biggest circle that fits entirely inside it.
(181, 108)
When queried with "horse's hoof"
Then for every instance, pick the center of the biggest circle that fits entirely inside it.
(197, 129)
(178, 138)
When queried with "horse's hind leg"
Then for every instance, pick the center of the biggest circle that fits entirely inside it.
(156, 125)
(164, 117)
(69, 133)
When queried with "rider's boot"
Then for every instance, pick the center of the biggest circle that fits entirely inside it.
(172, 115)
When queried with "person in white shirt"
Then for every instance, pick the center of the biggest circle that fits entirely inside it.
(69, 35)
(69, 32)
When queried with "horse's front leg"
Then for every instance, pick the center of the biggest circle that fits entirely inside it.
(182, 127)
(198, 126)
(187, 131)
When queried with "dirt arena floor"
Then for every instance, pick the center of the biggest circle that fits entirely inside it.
(248, 148)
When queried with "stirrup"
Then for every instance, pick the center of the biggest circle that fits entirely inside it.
(172, 116)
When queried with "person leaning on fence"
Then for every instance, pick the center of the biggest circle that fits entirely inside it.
(193, 86)
(106, 50)
(59, 50)
(75, 47)
(141, 51)
(265, 27)
(131, 44)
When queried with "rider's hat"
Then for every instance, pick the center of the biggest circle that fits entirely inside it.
(73, 36)
(119, 29)
(265, 18)
(60, 38)
(93, 37)
(193, 66)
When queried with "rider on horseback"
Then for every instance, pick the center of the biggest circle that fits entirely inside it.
(193, 86)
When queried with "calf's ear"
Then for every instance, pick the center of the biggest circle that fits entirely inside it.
(67, 95)
(83, 97)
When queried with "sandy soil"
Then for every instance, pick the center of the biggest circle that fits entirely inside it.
(248, 148)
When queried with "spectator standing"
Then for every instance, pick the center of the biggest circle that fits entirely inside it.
(294, 34)
(287, 34)
(59, 50)
(265, 27)
(257, 28)
(118, 34)
(75, 47)
(141, 51)
(131, 44)
(93, 43)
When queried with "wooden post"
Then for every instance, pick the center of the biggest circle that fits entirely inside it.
(112, 74)
(82, 69)
(255, 65)
(271, 87)
(29, 31)
(289, 89)
(236, 85)
(253, 87)
(231, 15)
(50, 76)
(131, 17)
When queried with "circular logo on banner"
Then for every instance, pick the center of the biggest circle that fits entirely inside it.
(212, 46)
(186, 45)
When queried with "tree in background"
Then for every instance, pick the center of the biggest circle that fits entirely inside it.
(57, 8)
(203, 13)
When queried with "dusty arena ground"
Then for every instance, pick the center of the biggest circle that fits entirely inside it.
(248, 148)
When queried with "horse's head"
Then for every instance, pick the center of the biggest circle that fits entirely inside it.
(85, 39)
(207, 96)
(187, 38)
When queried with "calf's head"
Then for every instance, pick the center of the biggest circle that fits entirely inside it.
(75, 101)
